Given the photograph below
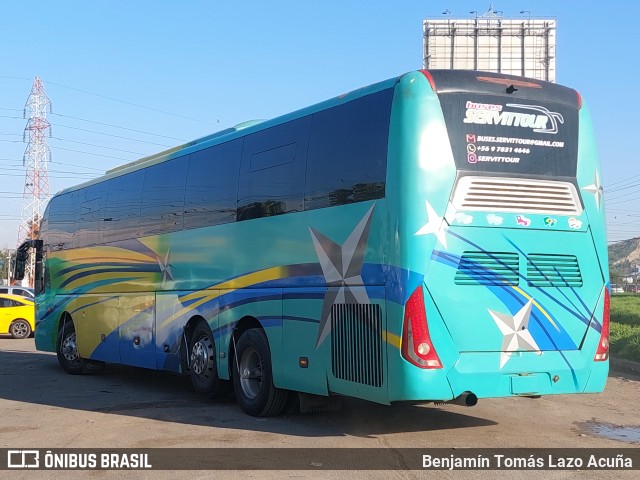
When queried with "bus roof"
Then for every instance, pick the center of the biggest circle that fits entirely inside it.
(225, 135)
(443, 81)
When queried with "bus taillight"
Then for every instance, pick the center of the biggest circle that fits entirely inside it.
(430, 79)
(417, 347)
(603, 345)
(579, 100)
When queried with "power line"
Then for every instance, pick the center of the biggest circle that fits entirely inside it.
(111, 135)
(86, 92)
(617, 202)
(620, 189)
(97, 146)
(90, 153)
(11, 77)
(132, 104)
(19, 164)
(89, 144)
(103, 124)
(118, 126)
(618, 197)
(84, 174)
(73, 176)
(622, 181)
(79, 166)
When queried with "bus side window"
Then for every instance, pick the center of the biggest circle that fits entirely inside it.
(90, 217)
(162, 206)
(347, 159)
(272, 171)
(122, 213)
(211, 191)
(61, 221)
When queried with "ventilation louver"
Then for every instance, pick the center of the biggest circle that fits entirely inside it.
(544, 270)
(356, 343)
(516, 195)
(487, 268)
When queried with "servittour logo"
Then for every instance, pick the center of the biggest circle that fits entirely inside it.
(542, 120)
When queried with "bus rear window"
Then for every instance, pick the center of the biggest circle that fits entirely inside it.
(507, 134)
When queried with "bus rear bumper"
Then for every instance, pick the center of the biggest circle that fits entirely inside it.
(527, 374)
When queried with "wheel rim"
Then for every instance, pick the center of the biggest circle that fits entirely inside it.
(201, 358)
(69, 348)
(250, 373)
(20, 329)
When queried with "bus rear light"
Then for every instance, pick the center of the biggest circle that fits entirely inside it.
(579, 99)
(417, 347)
(430, 79)
(602, 353)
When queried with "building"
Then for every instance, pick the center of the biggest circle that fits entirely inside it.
(489, 42)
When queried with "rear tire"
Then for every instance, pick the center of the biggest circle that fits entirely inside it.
(20, 328)
(253, 378)
(202, 361)
(67, 351)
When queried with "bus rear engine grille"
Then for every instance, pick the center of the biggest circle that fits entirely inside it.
(487, 268)
(545, 270)
(356, 343)
(516, 195)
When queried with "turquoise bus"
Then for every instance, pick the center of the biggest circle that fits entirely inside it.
(438, 236)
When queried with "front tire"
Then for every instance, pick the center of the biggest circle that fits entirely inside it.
(20, 328)
(67, 351)
(253, 378)
(202, 364)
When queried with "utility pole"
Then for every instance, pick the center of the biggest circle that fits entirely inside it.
(36, 180)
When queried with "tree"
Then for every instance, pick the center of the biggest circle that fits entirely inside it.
(6, 256)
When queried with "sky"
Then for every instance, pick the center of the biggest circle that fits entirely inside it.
(128, 79)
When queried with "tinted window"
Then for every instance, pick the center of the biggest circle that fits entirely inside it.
(212, 185)
(4, 290)
(63, 210)
(90, 219)
(509, 134)
(272, 171)
(162, 204)
(43, 234)
(274, 157)
(122, 213)
(347, 158)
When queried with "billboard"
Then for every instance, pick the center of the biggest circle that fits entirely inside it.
(525, 47)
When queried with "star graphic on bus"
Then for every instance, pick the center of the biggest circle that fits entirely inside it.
(596, 189)
(342, 266)
(165, 267)
(515, 329)
(435, 225)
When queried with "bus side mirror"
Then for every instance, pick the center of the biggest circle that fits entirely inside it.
(22, 255)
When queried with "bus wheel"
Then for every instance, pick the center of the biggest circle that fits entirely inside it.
(202, 361)
(20, 329)
(67, 353)
(253, 379)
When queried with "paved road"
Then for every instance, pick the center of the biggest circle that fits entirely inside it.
(42, 407)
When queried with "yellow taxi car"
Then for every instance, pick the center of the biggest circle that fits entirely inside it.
(17, 316)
